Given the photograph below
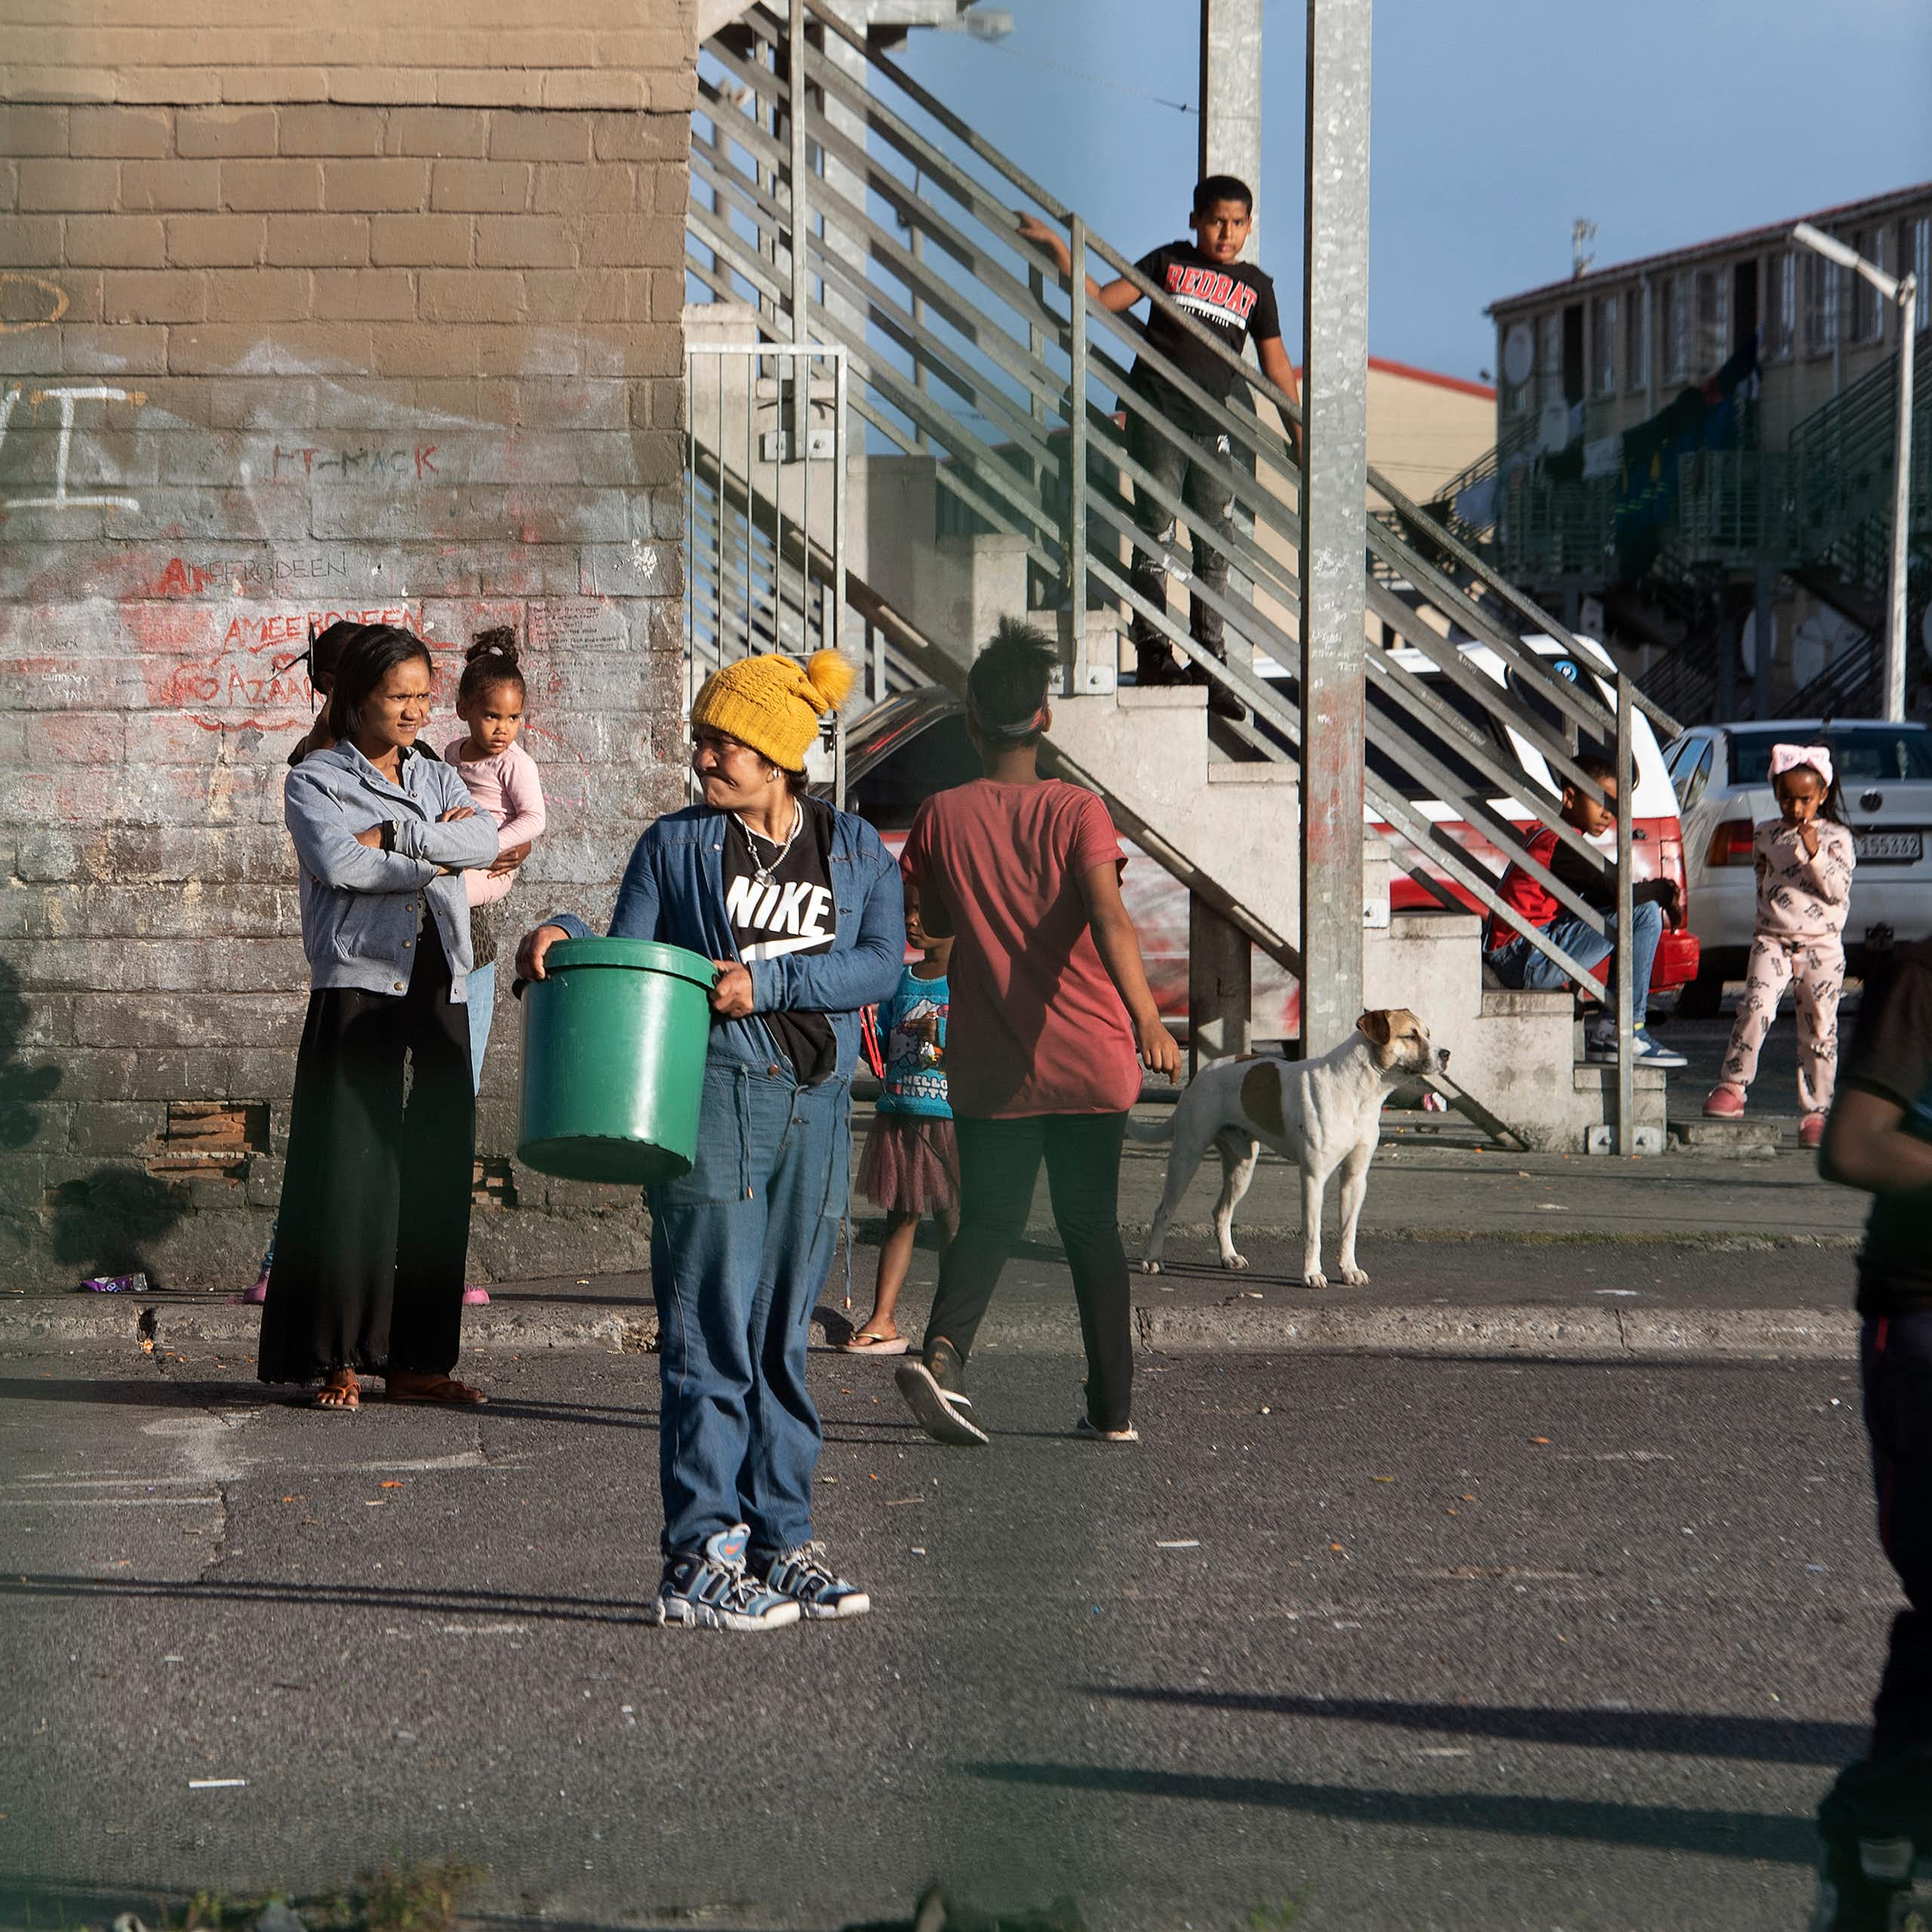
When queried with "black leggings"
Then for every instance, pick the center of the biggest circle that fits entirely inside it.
(999, 1161)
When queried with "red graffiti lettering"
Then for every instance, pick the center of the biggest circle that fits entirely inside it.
(424, 467)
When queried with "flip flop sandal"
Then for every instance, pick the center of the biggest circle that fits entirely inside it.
(445, 1392)
(941, 1415)
(352, 1391)
(864, 1343)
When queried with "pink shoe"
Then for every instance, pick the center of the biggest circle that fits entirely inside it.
(1811, 1130)
(475, 1297)
(1724, 1103)
(259, 1292)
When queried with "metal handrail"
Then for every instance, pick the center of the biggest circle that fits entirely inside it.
(992, 354)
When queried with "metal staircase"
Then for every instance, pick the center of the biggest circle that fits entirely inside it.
(1818, 511)
(1839, 523)
(975, 368)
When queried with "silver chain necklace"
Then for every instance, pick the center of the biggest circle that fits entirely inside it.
(762, 874)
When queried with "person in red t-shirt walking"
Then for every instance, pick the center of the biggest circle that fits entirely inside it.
(1052, 1021)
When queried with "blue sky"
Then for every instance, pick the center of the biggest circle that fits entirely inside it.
(1497, 122)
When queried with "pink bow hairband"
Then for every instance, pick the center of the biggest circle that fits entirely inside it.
(1789, 758)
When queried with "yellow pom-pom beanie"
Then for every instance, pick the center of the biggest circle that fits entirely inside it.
(773, 703)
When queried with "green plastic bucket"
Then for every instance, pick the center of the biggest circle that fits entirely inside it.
(613, 1045)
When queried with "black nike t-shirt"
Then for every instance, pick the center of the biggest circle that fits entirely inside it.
(1891, 1056)
(1234, 303)
(790, 910)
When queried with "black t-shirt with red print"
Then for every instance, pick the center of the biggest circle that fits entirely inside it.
(1232, 301)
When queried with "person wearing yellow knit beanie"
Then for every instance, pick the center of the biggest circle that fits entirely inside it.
(801, 909)
(773, 703)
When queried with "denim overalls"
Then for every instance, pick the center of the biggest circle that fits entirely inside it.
(740, 1247)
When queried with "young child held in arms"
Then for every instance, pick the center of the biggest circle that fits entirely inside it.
(1805, 858)
(502, 778)
(911, 1166)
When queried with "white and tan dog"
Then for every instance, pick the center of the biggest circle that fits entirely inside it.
(1321, 1114)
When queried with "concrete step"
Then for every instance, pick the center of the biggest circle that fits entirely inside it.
(1510, 1003)
(1697, 1135)
(1593, 1077)
(1225, 771)
(1161, 697)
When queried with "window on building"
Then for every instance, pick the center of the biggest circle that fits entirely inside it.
(1674, 295)
(1780, 320)
(1637, 339)
(1711, 343)
(1915, 253)
(1821, 304)
(1603, 345)
(1868, 308)
(1549, 357)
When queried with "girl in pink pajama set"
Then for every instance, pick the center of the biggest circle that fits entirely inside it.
(1804, 860)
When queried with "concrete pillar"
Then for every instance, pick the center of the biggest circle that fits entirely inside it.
(1335, 323)
(1220, 988)
(1231, 97)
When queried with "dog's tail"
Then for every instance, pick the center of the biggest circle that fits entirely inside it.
(1151, 1131)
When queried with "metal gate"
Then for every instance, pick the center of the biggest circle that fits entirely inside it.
(765, 528)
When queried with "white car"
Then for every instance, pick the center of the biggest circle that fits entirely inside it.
(1724, 791)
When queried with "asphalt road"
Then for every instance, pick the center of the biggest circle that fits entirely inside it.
(1421, 1644)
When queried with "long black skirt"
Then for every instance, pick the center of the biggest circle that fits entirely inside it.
(375, 1201)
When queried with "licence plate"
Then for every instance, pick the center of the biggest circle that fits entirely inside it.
(1896, 848)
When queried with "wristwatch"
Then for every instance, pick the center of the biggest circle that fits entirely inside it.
(388, 829)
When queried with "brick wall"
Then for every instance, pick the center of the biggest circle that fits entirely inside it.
(279, 341)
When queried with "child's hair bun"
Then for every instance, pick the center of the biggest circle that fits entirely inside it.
(490, 660)
(500, 641)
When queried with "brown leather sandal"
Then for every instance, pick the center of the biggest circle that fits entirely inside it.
(444, 1390)
(340, 1394)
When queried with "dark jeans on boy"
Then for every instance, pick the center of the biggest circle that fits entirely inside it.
(1179, 473)
(999, 1161)
(1519, 964)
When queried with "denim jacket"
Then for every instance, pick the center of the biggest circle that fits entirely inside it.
(361, 908)
(673, 890)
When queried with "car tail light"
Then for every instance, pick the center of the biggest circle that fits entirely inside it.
(1670, 865)
(1730, 842)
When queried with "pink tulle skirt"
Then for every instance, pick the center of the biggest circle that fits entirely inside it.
(911, 1164)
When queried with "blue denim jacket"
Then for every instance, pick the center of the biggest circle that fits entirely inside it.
(673, 890)
(360, 907)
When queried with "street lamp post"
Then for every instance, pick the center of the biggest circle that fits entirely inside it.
(1903, 291)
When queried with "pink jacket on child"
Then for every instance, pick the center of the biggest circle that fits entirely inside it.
(1802, 900)
(508, 788)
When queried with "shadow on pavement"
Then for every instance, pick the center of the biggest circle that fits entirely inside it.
(1774, 1838)
(508, 1603)
(1685, 1733)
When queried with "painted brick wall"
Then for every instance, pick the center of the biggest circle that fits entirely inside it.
(283, 336)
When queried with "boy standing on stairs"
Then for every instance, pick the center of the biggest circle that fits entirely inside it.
(1205, 278)
(1517, 963)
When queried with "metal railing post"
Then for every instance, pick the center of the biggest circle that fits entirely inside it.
(833, 632)
(1334, 480)
(1073, 642)
(1626, 913)
(1898, 564)
(801, 225)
